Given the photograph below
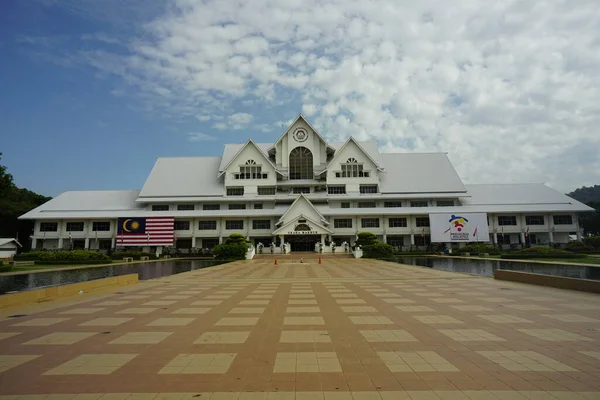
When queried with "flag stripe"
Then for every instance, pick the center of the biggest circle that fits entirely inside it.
(159, 232)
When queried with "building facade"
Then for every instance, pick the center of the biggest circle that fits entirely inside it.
(303, 190)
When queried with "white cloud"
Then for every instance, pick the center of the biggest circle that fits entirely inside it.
(509, 89)
(240, 119)
(200, 137)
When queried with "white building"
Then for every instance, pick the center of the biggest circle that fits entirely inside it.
(303, 190)
(8, 247)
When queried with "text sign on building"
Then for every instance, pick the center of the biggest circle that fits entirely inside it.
(468, 227)
(303, 233)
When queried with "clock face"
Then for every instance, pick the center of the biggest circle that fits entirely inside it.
(300, 135)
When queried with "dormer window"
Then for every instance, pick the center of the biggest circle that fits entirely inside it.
(352, 169)
(250, 170)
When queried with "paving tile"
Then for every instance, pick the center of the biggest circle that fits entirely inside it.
(554, 335)
(247, 310)
(571, 318)
(358, 309)
(159, 303)
(371, 320)
(321, 362)
(302, 310)
(64, 338)
(237, 321)
(10, 361)
(222, 338)
(388, 335)
(92, 364)
(112, 303)
(191, 310)
(301, 302)
(254, 302)
(141, 338)
(471, 335)
(42, 322)
(6, 335)
(303, 321)
(415, 361)
(199, 364)
(505, 319)
(206, 303)
(414, 308)
(171, 322)
(305, 337)
(137, 310)
(106, 321)
(525, 361)
(399, 301)
(437, 319)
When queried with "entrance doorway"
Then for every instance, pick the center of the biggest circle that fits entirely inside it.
(302, 242)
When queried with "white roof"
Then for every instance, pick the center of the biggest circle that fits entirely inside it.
(97, 203)
(4, 241)
(370, 147)
(526, 197)
(184, 176)
(232, 149)
(419, 173)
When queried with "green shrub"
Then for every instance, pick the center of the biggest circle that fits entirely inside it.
(62, 255)
(593, 242)
(539, 250)
(230, 251)
(5, 268)
(476, 249)
(378, 250)
(366, 239)
(578, 246)
(236, 238)
(524, 256)
(88, 262)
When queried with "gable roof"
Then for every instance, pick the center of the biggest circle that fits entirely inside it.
(419, 173)
(222, 167)
(302, 197)
(183, 176)
(4, 241)
(339, 150)
(303, 118)
(282, 228)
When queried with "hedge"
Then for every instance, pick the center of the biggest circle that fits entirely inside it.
(476, 249)
(62, 256)
(89, 262)
(232, 251)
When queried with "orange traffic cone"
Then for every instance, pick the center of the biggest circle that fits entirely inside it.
(319, 260)
(275, 263)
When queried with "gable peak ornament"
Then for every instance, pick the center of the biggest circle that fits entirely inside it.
(300, 135)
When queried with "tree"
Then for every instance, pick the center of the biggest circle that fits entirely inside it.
(236, 238)
(15, 202)
(365, 239)
(590, 222)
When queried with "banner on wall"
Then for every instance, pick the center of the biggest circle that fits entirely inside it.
(468, 227)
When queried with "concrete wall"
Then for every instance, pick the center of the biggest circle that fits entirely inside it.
(584, 285)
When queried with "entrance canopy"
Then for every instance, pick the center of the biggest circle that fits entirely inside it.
(302, 225)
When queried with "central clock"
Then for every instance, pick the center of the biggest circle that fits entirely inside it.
(300, 135)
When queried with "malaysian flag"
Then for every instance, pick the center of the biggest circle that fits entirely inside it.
(150, 231)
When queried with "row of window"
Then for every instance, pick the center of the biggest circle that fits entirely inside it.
(374, 222)
(75, 226)
(229, 224)
(306, 189)
(508, 220)
(206, 207)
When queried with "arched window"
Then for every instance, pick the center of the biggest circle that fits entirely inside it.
(250, 162)
(352, 169)
(301, 164)
(250, 170)
(302, 227)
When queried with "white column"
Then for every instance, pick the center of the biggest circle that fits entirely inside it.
(33, 243)
(87, 243)
(193, 241)
(384, 237)
(412, 239)
(112, 243)
(523, 238)
(495, 237)
(60, 243)
(577, 228)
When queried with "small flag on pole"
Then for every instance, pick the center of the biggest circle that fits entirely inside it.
(423, 233)
(527, 232)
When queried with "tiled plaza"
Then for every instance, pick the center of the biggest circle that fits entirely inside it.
(343, 329)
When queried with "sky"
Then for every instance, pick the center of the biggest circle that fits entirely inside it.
(92, 92)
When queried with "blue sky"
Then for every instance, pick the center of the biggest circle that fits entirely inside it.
(94, 91)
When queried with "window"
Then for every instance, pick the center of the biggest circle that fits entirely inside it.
(397, 222)
(237, 206)
(422, 222)
(261, 224)
(160, 207)
(250, 170)
(301, 189)
(302, 228)
(390, 204)
(368, 189)
(211, 207)
(345, 205)
(336, 189)
(503, 239)
(100, 226)
(266, 191)
(445, 203)
(419, 203)
(342, 223)
(367, 204)
(185, 207)
(258, 206)
(48, 226)
(234, 224)
(181, 226)
(235, 191)
(74, 226)
(207, 225)
(369, 222)
(352, 169)
(301, 164)
(534, 220)
(507, 220)
(562, 220)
